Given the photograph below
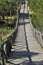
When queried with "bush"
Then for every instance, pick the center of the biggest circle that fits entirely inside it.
(37, 17)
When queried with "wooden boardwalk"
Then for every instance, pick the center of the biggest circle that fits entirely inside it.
(26, 50)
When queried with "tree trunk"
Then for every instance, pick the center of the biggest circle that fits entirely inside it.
(11, 14)
(3, 17)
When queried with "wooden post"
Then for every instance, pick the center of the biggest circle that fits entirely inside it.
(3, 55)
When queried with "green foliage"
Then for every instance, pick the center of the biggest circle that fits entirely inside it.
(4, 33)
(37, 17)
(7, 7)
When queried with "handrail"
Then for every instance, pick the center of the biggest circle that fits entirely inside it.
(38, 35)
(7, 44)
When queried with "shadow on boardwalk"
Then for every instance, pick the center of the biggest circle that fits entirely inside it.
(24, 54)
(24, 15)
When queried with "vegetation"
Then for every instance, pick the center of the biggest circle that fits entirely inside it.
(37, 18)
(8, 16)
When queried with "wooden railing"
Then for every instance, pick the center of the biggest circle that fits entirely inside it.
(38, 35)
(7, 45)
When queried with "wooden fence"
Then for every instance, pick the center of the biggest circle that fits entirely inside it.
(38, 35)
